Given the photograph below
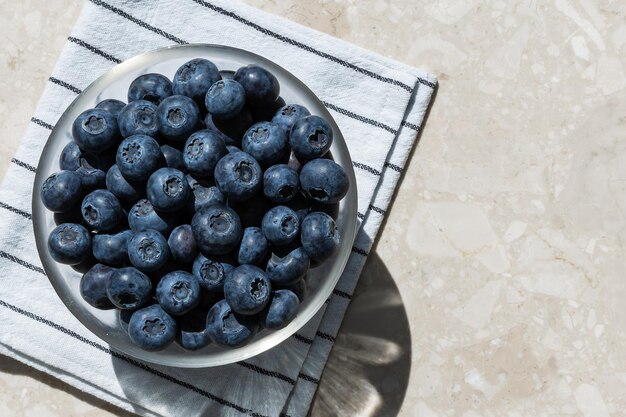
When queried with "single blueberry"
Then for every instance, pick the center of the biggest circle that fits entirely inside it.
(310, 137)
(150, 87)
(142, 216)
(182, 244)
(266, 142)
(238, 176)
(112, 106)
(211, 273)
(324, 181)
(287, 115)
(61, 191)
(129, 288)
(112, 249)
(194, 78)
(138, 118)
(193, 334)
(151, 328)
(204, 194)
(93, 286)
(72, 158)
(288, 269)
(261, 86)
(217, 229)
(225, 99)
(123, 189)
(91, 178)
(280, 183)
(202, 151)
(281, 310)
(178, 292)
(69, 243)
(168, 189)
(95, 130)
(280, 225)
(319, 236)
(173, 157)
(177, 118)
(247, 289)
(227, 328)
(148, 250)
(253, 248)
(138, 157)
(101, 210)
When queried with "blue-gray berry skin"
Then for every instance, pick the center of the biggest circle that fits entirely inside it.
(280, 183)
(182, 244)
(178, 292)
(151, 87)
(288, 269)
(211, 272)
(193, 79)
(72, 158)
(227, 328)
(151, 328)
(225, 99)
(217, 229)
(266, 142)
(142, 216)
(112, 106)
(238, 176)
(95, 130)
(281, 310)
(260, 85)
(93, 286)
(112, 249)
(173, 157)
(61, 191)
(319, 236)
(280, 225)
(247, 289)
(123, 189)
(168, 190)
(138, 157)
(254, 247)
(287, 115)
(91, 178)
(203, 149)
(129, 288)
(101, 210)
(324, 181)
(148, 251)
(310, 137)
(177, 118)
(193, 334)
(204, 193)
(69, 243)
(138, 118)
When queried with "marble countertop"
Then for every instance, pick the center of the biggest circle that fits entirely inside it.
(498, 285)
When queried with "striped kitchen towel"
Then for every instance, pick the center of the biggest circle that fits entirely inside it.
(379, 105)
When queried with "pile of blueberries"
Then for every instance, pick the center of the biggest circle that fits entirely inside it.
(198, 208)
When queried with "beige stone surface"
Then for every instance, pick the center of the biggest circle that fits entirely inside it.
(497, 286)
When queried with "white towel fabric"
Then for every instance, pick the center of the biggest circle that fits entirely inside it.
(379, 105)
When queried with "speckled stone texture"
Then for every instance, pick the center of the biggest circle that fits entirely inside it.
(497, 286)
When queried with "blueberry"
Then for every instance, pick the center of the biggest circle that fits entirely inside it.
(265, 112)
(168, 189)
(120, 187)
(324, 181)
(227, 74)
(69, 243)
(177, 118)
(211, 273)
(72, 158)
(101, 210)
(217, 229)
(194, 78)
(95, 130)
(142, 216)
(178, 292)
(280, 225)
(227, 328)
(266, 142)
(202, 151)
(253, 248)
(238, 176)
(247, 289)
(280, 183)
(234, 127)
(173, 157)
(112, 106)
(319, 236)
(91, 178)
(138, 156)
(204, 194)
(129, 288)
(225, 99)
(182, 244)
(287, 115)
(281, 310)
(289, 269)
(261, 86)
(61, 191)
(148, 250)
(151, 87)
(112, 249)
(93, 286)
(310, 137)
(151, 328)
(193, 334)
(138, 118)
